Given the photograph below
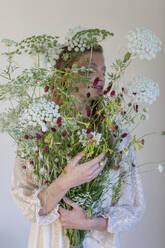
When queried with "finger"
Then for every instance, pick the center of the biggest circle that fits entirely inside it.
(94, 161)
(99, 167)
(71, 203)
(75, 160)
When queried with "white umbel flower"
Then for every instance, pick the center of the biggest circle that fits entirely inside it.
(42, 113)
(143, 89)
(144, 43)
(83, 137)
(160, 168)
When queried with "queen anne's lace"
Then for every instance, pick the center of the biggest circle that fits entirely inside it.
(38, 113)
(143, 43)
(143, 89)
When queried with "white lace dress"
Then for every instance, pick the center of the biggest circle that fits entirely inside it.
(47, 231)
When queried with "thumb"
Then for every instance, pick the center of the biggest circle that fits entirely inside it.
(75, 160)
(71, 203)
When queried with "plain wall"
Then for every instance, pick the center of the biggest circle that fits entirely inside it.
(19, 19)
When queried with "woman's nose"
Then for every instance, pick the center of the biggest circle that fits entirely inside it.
(101, 76)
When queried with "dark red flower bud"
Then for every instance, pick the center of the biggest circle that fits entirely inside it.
(109, 88)
(64, 133)
(89, 130)
(46, 181)
(88, 94)
(122, 89)
(134, 93)
(95, 81)
(124, 135)
(142, 141)
(105, 92)
(112, 93)
(46, 149)
(133, 165)
(43, 132)
(23, 167)
(31, 162)
(46, 88)
(44, 121)
(59, 121)
(121, 152)
(53, 129)
(38, 136)
(116, 127)
(26, 137)
(88, 111)
(136, 108)
(69, 154)
(68, 145)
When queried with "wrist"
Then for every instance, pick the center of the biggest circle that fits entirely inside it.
(61, 183)
(98, 223)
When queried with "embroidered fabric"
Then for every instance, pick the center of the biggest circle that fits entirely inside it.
(24, 190)
(131, 206)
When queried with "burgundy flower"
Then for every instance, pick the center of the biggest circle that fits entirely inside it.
(134, 93)
(121, 152)
(124, 135)
(89, 130)
(142, 141)
(59, 121)
(31, 162)
(122, 89)
(44, 121)
(105, 92)
(23, 167)
(116, 127)
(43, 132)
(26, 136)
(38, 136)
(88, 94)
(68, 145)
(53, 129)
(136, 108)
(46, 149)
(46, 181)
(95, 81)
(46, 88)
(88, 111)
(133, 165)
(69, 154)
(109, 88)
(64, 133)
(112, 93)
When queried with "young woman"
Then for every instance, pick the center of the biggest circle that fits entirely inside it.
(49, 223)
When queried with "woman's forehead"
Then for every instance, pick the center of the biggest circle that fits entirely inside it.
(97, 58)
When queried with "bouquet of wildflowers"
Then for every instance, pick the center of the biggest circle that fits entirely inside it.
(50, 133)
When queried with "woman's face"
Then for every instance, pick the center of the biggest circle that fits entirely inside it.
(97, 77)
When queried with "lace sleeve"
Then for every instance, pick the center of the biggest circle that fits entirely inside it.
(25, 191)
(131, 206)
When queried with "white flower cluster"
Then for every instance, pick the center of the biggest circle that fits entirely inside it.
(52, 55)
(77, 44)
(144, 43)
(37, 113)
(84, 137)
(143, 89)
(82, 42)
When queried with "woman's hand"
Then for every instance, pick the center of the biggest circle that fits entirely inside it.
(76, 218)
(76, 174)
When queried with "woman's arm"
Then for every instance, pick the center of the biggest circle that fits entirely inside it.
(74, 175)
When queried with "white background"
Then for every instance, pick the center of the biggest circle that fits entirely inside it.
(19, 19)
